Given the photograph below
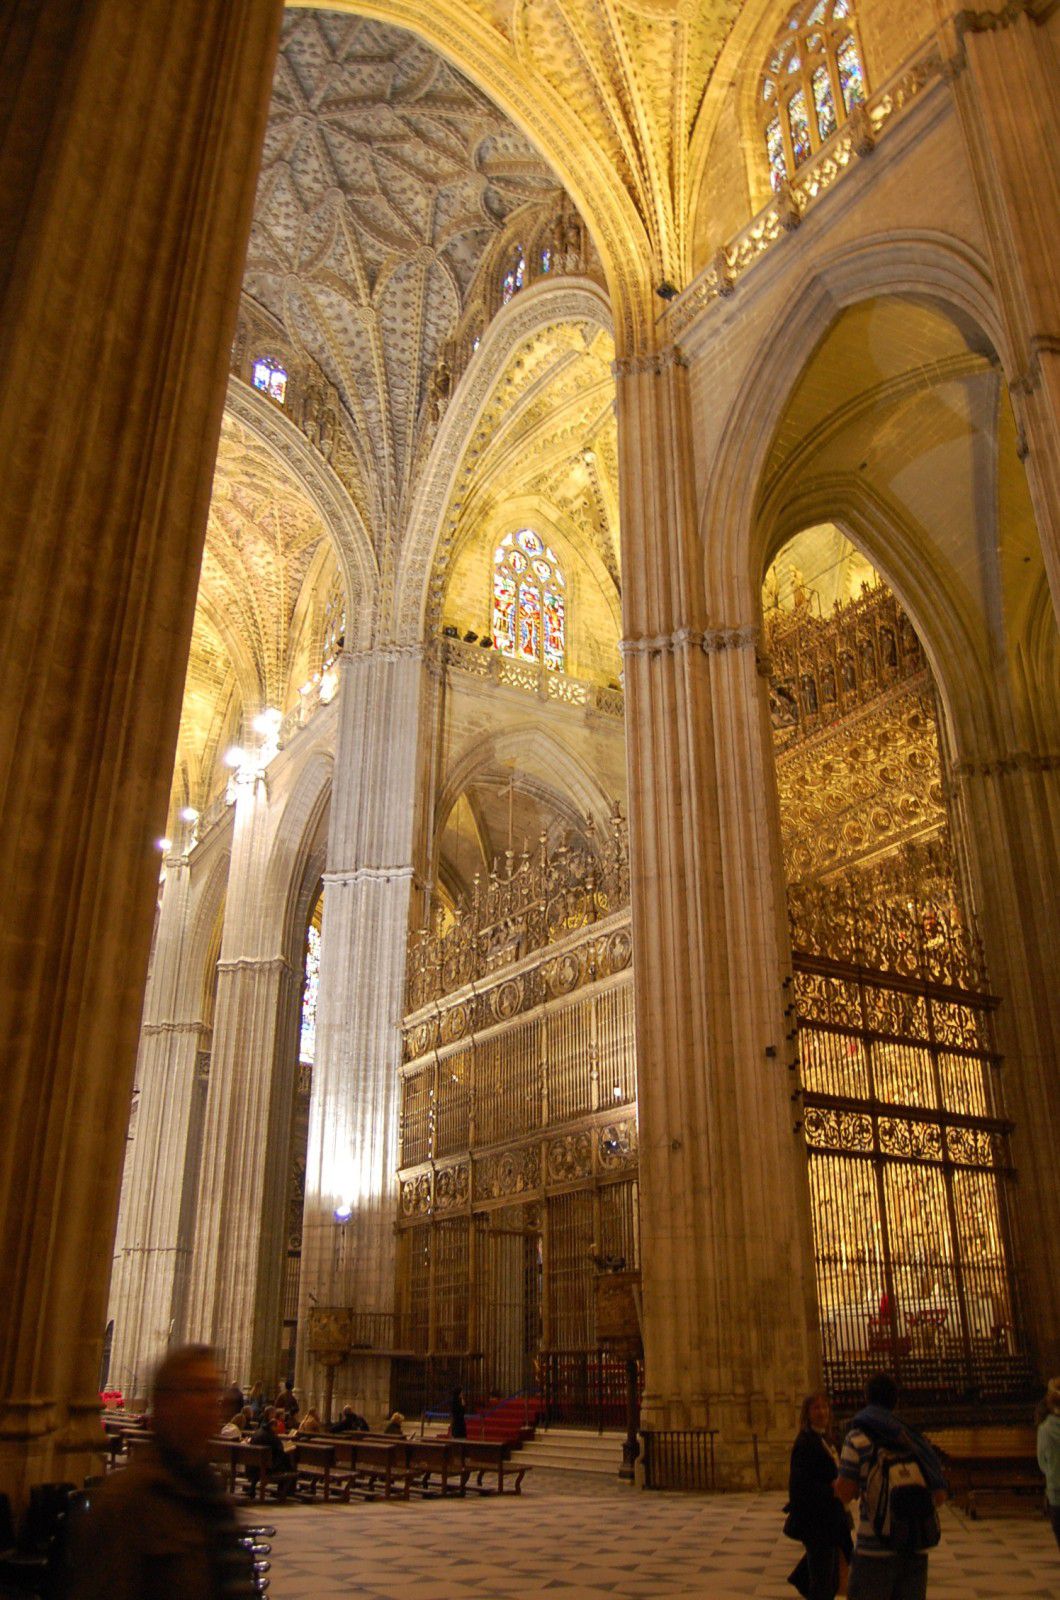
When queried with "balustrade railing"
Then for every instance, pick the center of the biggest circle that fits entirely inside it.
(532, 678)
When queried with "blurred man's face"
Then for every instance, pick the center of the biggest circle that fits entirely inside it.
(186, 1419)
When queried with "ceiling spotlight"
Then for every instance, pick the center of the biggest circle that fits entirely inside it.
(666, 290)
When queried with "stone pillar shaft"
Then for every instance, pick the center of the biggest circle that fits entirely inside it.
(352, 1150)
(1008, 817)
(156, 1221)
(236, 1285)
(129, 144)
(728, 1296)
(1011, 116)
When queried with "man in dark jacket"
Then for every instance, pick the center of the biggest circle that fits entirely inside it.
(163, 1529)
(279, 1469)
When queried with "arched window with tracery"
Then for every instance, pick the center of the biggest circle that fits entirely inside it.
(529, 608)
(813, 79)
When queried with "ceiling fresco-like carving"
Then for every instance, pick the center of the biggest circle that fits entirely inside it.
(385, 178)
(611, 91)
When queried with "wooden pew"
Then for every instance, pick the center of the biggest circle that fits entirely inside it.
(436, 1460)
(483, 1456)
(995, 1459)
(235, 1453)
(314, 1460)
(371, 1464)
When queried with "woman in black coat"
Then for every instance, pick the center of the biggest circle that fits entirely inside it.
(816, 1517)
(458, 1426)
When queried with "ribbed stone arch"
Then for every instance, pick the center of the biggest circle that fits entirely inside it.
(952, 639)
(914, 265)
(300, 836)
(432, 523)
(320, 484)
(481, 756)
(478, 48)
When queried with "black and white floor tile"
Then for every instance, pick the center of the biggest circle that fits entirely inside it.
(571, 1538)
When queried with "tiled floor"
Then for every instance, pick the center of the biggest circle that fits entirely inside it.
(565, 1538)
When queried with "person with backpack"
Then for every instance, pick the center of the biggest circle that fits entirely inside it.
(899, 1484)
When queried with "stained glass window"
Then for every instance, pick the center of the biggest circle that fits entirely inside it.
(270, 378)
(529, 621)
(553, 643)
(310, 993)
(815, 63)
(515, 276)
(824, 103)
(800, 127)
(546, 259)
(851, 76)
(529, 611)
(778, 170)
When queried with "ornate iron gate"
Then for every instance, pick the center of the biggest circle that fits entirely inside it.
(910, 1183)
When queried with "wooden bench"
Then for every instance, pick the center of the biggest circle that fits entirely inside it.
(371, 1465)
(314, 1460)
(235, 1453)
(988, 1460)
(483, 1456)
(436, 1461)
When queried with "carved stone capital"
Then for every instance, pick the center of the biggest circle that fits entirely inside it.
(655, 362)
(1005, 765)
(709, 640)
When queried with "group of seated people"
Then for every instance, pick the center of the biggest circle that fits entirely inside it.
(254, 1422)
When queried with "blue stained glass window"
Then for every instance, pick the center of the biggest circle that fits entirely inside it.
(851, 73)
(799, 123)
(824, 103)
(310, 994)
(546, 260)
(515, 276)
(268, 376)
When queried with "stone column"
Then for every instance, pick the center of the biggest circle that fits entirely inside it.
(157, 1216)
(1007, 814)
(353, 1114)
(237, 1269)
(728, 1308)
(129, 144)
(1008, 62)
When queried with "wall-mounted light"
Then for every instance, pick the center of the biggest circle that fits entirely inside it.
(164, 844)
(189, 814)
(343, 1212)
(235, 756)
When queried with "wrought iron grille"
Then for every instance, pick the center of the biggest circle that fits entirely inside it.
(910, 1183)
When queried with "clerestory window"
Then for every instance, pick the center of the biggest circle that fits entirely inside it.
(529, 609)
(268, 376)
(812, 81)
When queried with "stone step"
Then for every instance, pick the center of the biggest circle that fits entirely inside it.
(574, 1450)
